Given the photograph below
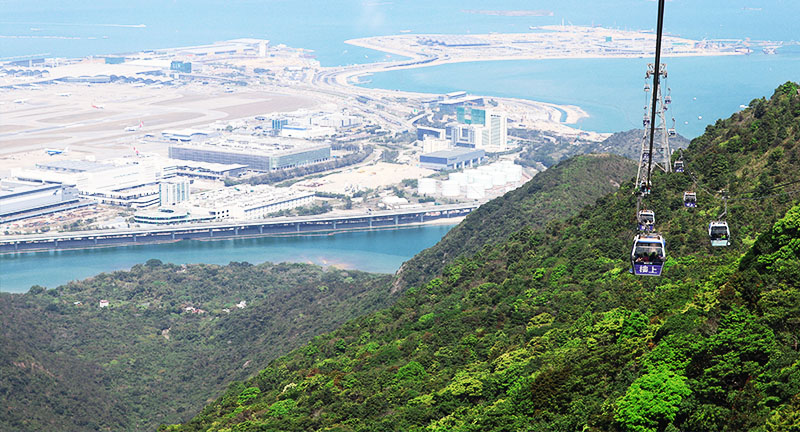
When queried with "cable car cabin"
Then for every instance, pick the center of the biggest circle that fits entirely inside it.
(647, 220)
(672, 133)
(645, 121)
(668, 100)
(719, 233)
(644, 189)
(648, 254)
(678, 166)
(647, 87)
(689, 199)
(645, 156)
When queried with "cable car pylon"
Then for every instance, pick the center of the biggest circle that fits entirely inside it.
(655, 150)
(654, 153)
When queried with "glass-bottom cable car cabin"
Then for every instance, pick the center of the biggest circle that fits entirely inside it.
(648, 254)
(719, 233)
(689, 199)
(646, 219)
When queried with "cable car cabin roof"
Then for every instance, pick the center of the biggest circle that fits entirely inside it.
(647, 216)
(644, 245)
(649, 239)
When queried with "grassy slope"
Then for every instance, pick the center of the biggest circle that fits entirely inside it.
(548, 331)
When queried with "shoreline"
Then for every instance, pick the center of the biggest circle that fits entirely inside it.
(578, 42)
(329, 256)
(320, 233)
(549, 116)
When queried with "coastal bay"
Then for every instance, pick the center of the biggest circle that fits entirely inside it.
(379, 251)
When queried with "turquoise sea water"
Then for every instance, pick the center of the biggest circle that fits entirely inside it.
(381, 251)
(610, 90)
(29, 27)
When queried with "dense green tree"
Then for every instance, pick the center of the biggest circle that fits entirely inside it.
(542, 328)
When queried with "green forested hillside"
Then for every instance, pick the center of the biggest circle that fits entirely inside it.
(547, 331)
(152, 356)
(629, 143)
(548, 151)
(556, 193)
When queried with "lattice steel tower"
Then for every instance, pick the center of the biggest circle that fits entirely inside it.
(661, 134)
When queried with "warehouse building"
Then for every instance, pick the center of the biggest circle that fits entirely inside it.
(242, 202)
(245, 202)
(451, 159)
(257, 157)
(21, 199)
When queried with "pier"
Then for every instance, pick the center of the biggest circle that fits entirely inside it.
(227, 230)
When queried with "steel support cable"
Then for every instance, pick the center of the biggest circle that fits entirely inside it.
(656, 77)
(740, 197)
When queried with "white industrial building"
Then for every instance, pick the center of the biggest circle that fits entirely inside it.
(259, 154)
(130, 185)
(241, 202)
(92, 176)
(23, 199)
(246, 202)
(430, 144)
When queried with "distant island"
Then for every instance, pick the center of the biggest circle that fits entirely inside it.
(515, 13)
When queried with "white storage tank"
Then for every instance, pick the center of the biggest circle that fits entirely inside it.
(513, 173)
(498, 177)
(450, 188)
(426, 186)
(474, 191)
(459, 177)
(483, 181)
(485, 169)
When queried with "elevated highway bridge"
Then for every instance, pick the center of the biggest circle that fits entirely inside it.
(226, 230)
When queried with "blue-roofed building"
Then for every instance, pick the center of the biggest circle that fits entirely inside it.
(452, 159)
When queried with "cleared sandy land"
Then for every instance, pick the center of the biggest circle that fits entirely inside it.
(551, 42)
(371, 177)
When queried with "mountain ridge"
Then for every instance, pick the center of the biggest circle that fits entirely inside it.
(547, 330)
